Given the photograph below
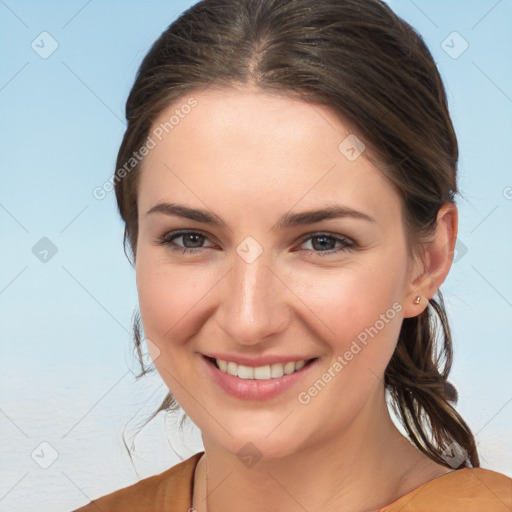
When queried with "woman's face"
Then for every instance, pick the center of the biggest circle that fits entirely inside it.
(264, 281)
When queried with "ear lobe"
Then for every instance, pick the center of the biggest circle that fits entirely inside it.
(438, 260)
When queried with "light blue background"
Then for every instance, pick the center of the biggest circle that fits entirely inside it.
(66, 362)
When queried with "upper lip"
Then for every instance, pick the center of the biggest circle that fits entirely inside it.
(258, 360)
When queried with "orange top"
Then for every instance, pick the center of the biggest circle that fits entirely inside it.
(463, 490)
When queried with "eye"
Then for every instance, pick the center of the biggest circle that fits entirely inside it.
(192, 241)
(323, 244)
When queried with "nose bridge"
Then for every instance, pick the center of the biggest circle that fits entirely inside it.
(252, 305)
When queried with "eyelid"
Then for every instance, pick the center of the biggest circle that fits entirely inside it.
(348, 243)
(169, 236)
(327, 234)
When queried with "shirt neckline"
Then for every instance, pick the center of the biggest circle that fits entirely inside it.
(382, 509)
(416, 490)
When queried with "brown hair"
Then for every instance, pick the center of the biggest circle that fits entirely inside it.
(374, 71)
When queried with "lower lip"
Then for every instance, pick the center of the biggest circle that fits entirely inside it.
(254, 389)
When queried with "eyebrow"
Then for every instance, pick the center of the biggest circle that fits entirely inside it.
(287, 220)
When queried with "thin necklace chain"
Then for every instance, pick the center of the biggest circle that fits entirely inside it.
(206, 494)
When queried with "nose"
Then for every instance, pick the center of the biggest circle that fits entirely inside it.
(253, 302)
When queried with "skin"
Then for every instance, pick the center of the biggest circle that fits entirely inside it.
(249, 157)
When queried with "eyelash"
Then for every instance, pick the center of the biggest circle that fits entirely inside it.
(168, 238)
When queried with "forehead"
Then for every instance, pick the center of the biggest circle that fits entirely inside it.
(240, 144)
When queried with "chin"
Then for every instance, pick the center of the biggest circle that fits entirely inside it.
(259, 443)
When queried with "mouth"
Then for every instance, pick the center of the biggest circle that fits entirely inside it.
(215, 363)
(237, 380)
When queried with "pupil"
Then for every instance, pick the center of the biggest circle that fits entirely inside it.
(194, 236)
(322, 246)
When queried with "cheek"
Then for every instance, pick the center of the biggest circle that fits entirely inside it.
(170, 306)
(359, 312)
(167, 296)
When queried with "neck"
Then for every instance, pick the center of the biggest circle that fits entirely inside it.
(365, 468)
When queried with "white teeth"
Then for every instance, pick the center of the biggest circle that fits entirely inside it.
(299, 364)
(272, 371)
(244, 372)
(289, 368)
(262, 372)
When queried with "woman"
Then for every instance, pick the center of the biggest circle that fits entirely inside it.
(287, 181)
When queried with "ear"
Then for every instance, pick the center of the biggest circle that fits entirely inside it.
(429, 274)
